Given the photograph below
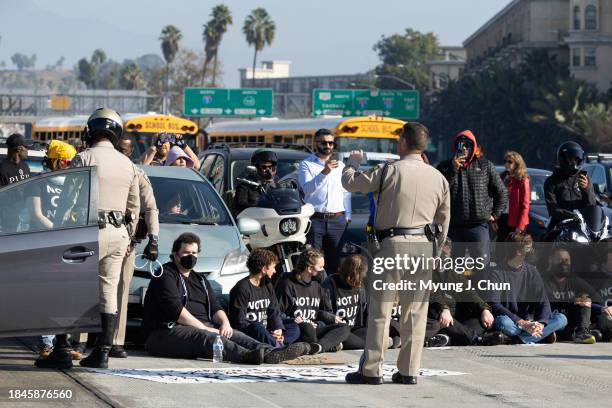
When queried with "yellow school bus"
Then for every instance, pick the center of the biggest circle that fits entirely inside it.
(368, 133)
(141, 127)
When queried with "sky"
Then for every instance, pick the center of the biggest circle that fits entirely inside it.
(319, 37)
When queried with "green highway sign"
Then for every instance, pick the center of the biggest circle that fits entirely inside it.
(227, 102)
(360, 102)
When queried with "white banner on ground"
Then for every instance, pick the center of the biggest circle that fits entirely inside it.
(333, 373)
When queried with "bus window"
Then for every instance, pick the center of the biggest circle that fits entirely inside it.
(252, 139)
(308, 140)
(243, 138)
(278, 139)
(261, 139)
(289, 139)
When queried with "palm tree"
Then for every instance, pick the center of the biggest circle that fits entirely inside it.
(221, 18)
(170, 37)
(259, 30)
(131, 76)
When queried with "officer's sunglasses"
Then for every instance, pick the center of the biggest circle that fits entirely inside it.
(267, 166)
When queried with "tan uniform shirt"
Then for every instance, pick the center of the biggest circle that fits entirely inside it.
(414, 194)
(147, 202)
(117, 177)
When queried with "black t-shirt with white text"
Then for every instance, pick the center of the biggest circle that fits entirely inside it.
(347, 302)
(12, 173)
(250, 303)
(563, 294)
(308, 300)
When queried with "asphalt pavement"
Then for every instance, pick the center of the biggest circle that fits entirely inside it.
(557, 375)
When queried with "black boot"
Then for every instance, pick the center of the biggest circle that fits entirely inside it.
(99, 356)
(118, 352)
(59, 358)
(290, 352)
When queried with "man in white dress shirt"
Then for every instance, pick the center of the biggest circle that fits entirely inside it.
(320, 177)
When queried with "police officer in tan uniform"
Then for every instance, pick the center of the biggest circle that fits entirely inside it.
(151, 219)
(411, 195)
(117, 194)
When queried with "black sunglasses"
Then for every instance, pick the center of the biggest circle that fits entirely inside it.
(508, 162)
(323, 142)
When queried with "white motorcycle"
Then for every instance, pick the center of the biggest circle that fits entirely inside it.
(284, 219)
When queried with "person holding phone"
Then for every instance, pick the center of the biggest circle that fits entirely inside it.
(478, 197)
(320, 178)
(568, 188)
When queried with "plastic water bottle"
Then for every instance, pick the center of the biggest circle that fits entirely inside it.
(218, 350)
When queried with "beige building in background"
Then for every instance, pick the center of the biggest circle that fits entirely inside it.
(448, 67)
(579, 32)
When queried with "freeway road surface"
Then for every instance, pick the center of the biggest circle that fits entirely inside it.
(558, 375)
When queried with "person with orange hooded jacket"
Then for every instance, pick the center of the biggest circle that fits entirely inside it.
(478, 197)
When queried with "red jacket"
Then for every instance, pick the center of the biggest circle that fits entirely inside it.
(518, 202)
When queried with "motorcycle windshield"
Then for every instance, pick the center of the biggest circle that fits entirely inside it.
(593, 217)
(283, 200)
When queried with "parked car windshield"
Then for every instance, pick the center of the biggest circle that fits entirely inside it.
(188, 202)
(536, 185)
(284, 167)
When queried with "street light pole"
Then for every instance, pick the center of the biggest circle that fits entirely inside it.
(397, 79)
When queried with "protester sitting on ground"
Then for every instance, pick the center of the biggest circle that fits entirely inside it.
(302, 299)
(456, 315)
(253, 307)
(178, 158)
(348, 299)
(602, 281)
(522, 310)
(574, 297)
(183, 318)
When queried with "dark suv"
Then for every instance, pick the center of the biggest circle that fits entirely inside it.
(222, 163)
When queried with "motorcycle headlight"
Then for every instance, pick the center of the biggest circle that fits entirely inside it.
(235, 262)
(288, 226)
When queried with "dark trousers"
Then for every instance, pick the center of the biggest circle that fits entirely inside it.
(474, 238)
(327, 335)
(394, 328)
(356, 339)
(503, 229)
(464, 332)
(577, 317)
(260, 333)
(189, 342)
(326, 235)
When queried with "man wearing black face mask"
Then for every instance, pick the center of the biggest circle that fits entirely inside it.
(572, 296)
(265, 162)
(183, 318)
(568, 189)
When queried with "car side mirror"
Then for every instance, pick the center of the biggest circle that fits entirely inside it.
(251, 170)
(248, 226)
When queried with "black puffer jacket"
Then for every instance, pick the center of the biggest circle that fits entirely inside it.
(477, 192)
